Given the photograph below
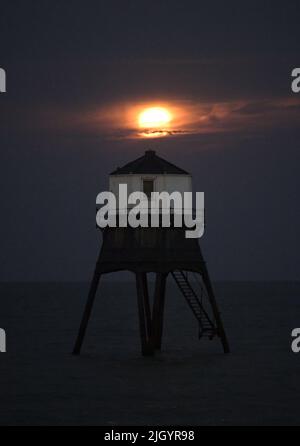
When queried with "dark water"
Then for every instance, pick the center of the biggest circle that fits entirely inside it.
(189, 383)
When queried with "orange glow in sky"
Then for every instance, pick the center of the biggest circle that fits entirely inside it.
(155, 118)
(177, 118)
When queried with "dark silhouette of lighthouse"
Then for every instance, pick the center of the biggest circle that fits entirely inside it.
(160, 250)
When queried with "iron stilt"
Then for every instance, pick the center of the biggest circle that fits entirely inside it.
(87, 312)
(158, 310)
(215, 309)
(146, 344)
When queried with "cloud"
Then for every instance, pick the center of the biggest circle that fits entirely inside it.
(197, 118)
(119, 120)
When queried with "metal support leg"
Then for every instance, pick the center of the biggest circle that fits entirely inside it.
(87, 312)
(158, 310)
(215, 309)
(147, 304)
(147, 348)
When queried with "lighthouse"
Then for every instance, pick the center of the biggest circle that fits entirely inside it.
(165, 251)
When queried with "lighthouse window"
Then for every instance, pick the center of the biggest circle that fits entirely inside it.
(148, 187)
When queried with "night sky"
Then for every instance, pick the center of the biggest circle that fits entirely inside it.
(70, 65)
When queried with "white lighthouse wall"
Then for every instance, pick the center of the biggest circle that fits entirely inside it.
(162, 183)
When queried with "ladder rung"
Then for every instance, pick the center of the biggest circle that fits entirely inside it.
(207, 328)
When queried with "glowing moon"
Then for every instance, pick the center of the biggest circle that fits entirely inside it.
(154, 118)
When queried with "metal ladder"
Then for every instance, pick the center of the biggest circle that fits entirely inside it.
(206, 327)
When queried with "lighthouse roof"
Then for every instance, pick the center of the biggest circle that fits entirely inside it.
(149, 163)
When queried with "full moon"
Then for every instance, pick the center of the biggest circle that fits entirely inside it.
(154, 118)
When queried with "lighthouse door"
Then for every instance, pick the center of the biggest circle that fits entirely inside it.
(148, 187)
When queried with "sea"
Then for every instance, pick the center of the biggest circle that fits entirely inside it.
(191, 382)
